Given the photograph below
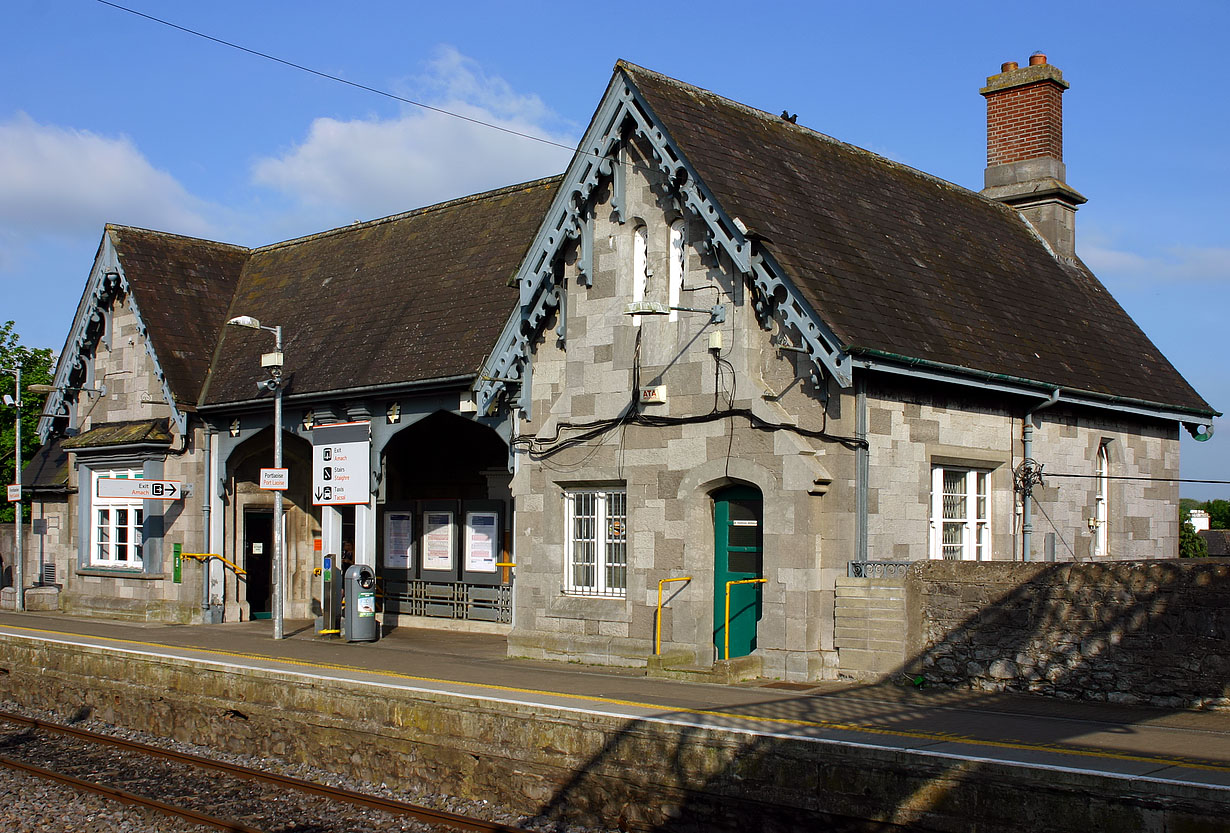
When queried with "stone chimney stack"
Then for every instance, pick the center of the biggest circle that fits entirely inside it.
(1025, 149)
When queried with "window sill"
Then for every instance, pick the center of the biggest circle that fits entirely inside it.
(120, 572)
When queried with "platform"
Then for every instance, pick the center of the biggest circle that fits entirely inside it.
(1137, 743)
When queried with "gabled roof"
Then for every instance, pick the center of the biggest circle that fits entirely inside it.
(901, 265)
(417, 297)
(183, 286)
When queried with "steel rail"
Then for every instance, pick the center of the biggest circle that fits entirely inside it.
(129, 798)
(387, 805)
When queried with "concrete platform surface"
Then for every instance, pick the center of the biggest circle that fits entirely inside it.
(1172, 746)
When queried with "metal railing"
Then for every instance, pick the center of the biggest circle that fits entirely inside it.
(878, 569)
(729, 585)
(657, 640)
(204, 557)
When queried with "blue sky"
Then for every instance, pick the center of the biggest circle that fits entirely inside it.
(107, 117)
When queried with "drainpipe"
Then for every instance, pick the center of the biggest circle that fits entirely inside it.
(206, 508)
(1027, 515)
(862, 469)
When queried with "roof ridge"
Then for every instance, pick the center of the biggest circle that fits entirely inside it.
(121, 227)
(765, 115)
(427, 209)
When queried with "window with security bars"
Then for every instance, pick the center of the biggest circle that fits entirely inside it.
(960, 514)
(117, 536)
(597, 542)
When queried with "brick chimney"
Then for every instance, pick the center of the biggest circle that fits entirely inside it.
(1025, 149)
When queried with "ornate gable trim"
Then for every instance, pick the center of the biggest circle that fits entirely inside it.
(90, 325)
(624, 113)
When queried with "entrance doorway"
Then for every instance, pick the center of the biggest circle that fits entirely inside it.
(738, 513)
(258, 562)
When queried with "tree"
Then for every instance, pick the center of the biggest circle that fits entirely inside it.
(35, 370)
(1191, 545)
(1219, 513)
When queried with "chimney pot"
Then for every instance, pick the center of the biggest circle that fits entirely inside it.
(1007, 66)
(1037, 59)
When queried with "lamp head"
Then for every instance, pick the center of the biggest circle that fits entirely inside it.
(246, 321)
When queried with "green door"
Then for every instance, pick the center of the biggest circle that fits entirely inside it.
(737, 516)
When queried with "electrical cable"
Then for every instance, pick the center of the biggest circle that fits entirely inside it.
(316, 72)
(1132, 477)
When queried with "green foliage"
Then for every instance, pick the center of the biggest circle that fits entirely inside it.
(1191, 545)
(1219, 511)
(35, 370)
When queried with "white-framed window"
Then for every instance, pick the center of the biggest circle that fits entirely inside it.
(117, 534)
(596, 542)
(678, 268)
(1101, 507)
(960, 514)
(640, 266)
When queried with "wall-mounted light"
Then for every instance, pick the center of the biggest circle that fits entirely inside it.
(393, 413)
(101, 390)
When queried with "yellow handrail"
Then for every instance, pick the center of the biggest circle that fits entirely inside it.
(729, 585)
(205, 556)
(657, 641)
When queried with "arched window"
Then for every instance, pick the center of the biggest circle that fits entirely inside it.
(678, 267)
(640, 266)
(1101, 508)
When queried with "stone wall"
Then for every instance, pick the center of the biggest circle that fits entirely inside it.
(1152, 632)
(670, 472)
(574, 766)
(914, 426)
(8, 551)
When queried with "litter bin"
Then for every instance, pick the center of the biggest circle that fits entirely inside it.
(360, 608)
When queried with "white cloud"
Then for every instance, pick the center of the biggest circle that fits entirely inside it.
(64, 181)
(365, 168)
(1180, 265)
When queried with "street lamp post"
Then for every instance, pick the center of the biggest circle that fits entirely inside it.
(18, 568)
(273, 362)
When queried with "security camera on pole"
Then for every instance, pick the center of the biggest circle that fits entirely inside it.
(273, 362)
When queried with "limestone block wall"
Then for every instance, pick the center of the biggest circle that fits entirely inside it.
(1143, 514)
(122, 365)
(670, 472)
(1151, 632)
(913, 427)
(567, 767)
(150, 594)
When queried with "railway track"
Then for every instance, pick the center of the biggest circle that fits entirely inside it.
(207, 792)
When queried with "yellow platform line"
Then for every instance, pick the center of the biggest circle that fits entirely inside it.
(752, 718)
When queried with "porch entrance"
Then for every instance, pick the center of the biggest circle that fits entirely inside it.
(258, 562)
(738, 513)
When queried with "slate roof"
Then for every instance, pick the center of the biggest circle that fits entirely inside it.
(183, 287)
(1218, 541)
(47, 470)
(133, 432)
(416, 297)
(899, 263)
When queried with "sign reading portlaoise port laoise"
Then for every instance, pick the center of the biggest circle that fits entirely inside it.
(340, 463)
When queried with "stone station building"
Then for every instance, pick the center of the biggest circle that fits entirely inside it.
(737, 363)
